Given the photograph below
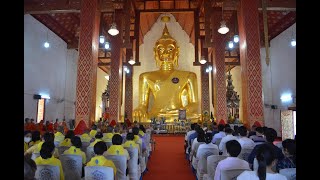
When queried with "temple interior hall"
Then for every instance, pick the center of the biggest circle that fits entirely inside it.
(163, 71)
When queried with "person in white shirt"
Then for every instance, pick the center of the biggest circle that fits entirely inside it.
(232, 162)
(243, 140)
(224, 140)
(266, 157)
(190, 132)
(220, 134)
(207, 145)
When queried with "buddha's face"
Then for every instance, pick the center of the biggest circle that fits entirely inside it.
(166, 51)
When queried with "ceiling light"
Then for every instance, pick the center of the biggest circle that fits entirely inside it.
(203, 60)
(230, 44)
(236, 38)
(101, 39)
(223, 28)
(113, 31)
(107, 45)
(293, 43)
(46, 45)
(131, 61)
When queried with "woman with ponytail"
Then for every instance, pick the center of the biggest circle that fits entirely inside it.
(46, 158)
(266, 157)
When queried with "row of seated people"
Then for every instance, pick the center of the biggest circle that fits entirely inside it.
(205, 154)
(99, 151)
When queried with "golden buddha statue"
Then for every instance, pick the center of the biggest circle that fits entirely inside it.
(172, 90)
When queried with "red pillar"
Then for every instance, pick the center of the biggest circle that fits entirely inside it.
(219, 85)
(88, 60)
(116, 72)
(205, 99)
(252, 103)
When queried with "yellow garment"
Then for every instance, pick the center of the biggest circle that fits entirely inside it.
(131, 144)
(102, 161)
(26, 147)
(107, 137)
(50, 161)
(117, 150)
(35, 148)
(137, 139)
(33, 143)
(141, 133)
(66, 142)
(85, 138)
(58, 136)
(93, 133)
(76, 151)
(94, 142)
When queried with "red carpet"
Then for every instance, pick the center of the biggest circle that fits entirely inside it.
(168, 160)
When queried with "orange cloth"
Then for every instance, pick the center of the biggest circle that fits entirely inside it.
(28, 127)
(222, 122)
(55, 126)
(113, 123)
(33, 127)
(65, 127)
(257, 124)
(81, 127)
(128, 123)
(50, 127)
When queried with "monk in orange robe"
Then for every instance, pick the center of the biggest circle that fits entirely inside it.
(55, 125)
(64, 124)
(113, 123)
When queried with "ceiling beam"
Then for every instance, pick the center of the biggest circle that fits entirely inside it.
(62, 6)
(232, 63)
(104, 64)
(272, 5)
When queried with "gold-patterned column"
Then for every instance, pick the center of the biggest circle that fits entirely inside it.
(116, 71)
(252, 103)
(128, 101)
(205, 99)
(88, 61)
(219, 79)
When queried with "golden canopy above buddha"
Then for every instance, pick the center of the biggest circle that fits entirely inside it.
(167, 89)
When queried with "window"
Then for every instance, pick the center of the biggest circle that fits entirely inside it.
(40, 111)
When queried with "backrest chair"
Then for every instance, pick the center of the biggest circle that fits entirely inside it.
(45, 172)
(61, 149)
(134, 170)
(244, 154)
(121, 164)
(72, 166)
(84, 146)
(89, 153)
(212, 163)
(290, 173)
(98, 173)
(202, 163)
(231, 174)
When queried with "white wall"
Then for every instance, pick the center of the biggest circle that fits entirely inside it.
(51, 71)
(279, 77)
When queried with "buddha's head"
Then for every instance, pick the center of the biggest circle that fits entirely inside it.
(166, 51)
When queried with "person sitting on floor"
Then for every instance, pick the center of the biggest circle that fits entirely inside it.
(27, 139)
(232, 162)
(99, 160)
(266, 157)
(46, 157)
(107, 137)
(75, 148)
